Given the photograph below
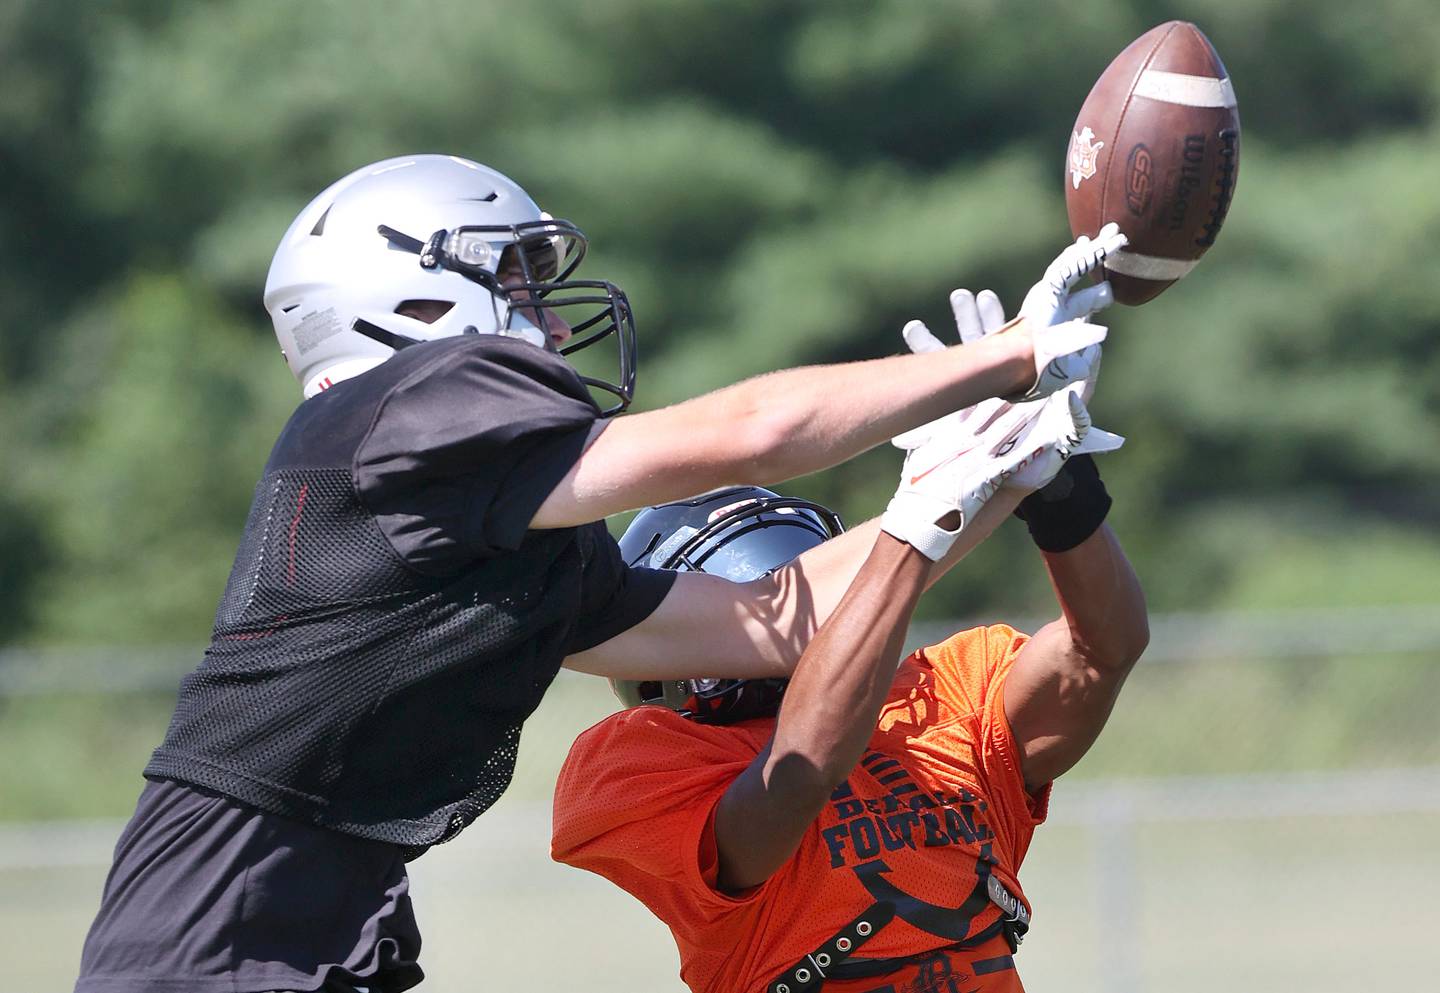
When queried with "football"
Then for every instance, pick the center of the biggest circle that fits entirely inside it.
(1156, 149)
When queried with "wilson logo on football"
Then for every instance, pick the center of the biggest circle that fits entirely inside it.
(1084, 152)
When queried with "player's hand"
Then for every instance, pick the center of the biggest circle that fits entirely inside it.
(1064, 354)
(980, 314)
(975, 317)
(947, 478)
(1094, 441)
(1051, 301)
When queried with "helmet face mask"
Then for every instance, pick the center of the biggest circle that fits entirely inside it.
(435, 227)
(527, 267)
(740, 533)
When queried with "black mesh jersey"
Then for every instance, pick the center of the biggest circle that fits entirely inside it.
(389, 622)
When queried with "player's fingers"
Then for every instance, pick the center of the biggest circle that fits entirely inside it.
(919, 339)
(967, 316)
(992, 311)
(1083, 303)
(1099, 440)
(1079, 416)
(1090, 358)
(1076, 261)
(1111, 239)
(907, 440)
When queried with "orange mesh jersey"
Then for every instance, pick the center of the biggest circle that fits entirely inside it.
(937, 796)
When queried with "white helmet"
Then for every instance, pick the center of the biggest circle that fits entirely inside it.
(431, 227)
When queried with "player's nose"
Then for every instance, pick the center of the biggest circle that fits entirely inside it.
(558, 329)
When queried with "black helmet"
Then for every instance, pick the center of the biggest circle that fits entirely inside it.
(740, 533)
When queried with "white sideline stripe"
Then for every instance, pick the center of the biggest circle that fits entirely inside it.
(1149, 266)
(1188, 91)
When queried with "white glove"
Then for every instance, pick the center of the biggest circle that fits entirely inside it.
(1039, 474)
(975, 317)
(1064, 354)
(1050, 300)
(978, 315)
(1060, 356)
(967, 461)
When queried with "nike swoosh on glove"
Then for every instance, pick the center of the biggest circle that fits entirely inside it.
(1064, 354)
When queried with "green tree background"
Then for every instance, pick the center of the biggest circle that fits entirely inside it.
(773, 184)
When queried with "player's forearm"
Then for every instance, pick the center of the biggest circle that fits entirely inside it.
(1101, 600)
(758, 629)
(778, 426)
(843, 675)
(815, 417)
(808, 590)
(828, 714)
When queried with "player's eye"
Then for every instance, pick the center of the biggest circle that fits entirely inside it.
(543, 255)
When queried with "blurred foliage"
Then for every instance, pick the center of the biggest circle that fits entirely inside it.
(773, 183)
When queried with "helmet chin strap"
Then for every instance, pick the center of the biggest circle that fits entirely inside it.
(519, 328)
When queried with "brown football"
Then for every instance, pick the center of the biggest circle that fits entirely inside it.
(1156, 149)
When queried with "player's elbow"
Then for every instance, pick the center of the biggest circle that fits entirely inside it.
(760, 434)
(1113, 647)
(768, 449)
(1135, 628)
(748, 433)
(806, 777)
(1124, 644)
(1134, 640)
(815, 749)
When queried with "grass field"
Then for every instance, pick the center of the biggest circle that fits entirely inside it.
(1310, 905)
(1224, 834)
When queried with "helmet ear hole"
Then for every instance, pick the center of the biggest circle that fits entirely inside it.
(428, 311)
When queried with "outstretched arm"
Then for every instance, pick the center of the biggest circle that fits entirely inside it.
(753, 629)
(786, 424)
(826, 718)
(831, 705)
(1060, 692)
(778, 426)
(844, 675)
(760, 628)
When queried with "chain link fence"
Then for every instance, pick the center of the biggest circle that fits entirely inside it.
(1263, 812)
